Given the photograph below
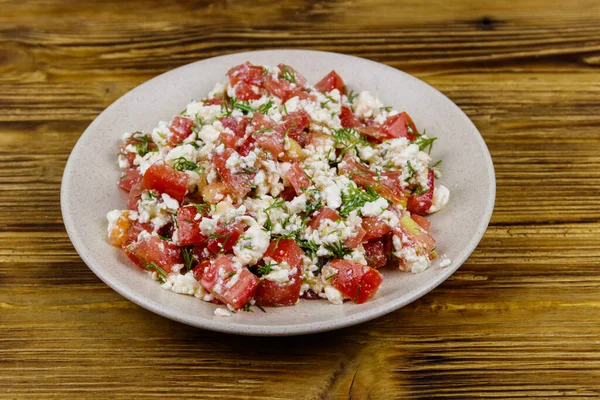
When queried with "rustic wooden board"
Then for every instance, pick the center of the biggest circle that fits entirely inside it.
(520, 319)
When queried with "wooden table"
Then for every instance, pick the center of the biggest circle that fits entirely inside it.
(521, 318)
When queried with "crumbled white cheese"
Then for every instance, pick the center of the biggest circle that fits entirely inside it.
(250, 248)
(366, 105)
(221, 312)
(441, 195)
(374, 208)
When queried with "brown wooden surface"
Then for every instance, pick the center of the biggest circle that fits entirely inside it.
(521, 318)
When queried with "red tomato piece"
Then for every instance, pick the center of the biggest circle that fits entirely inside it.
(228, 139)
(355, 281)
(399, 125)
(213, 102)
(164, 179)
(144, 140)
(331, 81)
(214, 192)
(285, 250)
(225, 237)
(229, 284)
(348, 118)
(422, 221)
(135, 229)
(131, 176)
(261, 121)
(376, 253)
(198, 270)
(271, 141)
(323, 213)
(153, 249)
(421, 204)
(356, 240)
(374, 228)
(286, 70)
(236, 125)
(181, 128)
(247, 73)
(135, 194)
(247, 146)
(188, 227)
(288, 193)
(298, 178)
(244, 91)
(237, 183)
(279, 88)
(295, 126)
(415, 234)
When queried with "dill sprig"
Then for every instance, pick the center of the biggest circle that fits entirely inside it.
(287, 74)
(425, 143)
(151, 266)
(411, 171)
(265, 107)
(356, 197)
(141, 143)
(337, 249)
(183, 164)
(188, 258)
(347, 136)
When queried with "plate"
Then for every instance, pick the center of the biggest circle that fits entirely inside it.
(89, 189)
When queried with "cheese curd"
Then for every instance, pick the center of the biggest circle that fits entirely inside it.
(270, 189)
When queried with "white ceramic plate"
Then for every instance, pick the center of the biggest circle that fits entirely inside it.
(89, 189)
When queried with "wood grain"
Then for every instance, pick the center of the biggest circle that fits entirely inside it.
(520, 319)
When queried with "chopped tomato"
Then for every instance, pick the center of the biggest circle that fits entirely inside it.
(135, 194)
(421, 204)
(415, 234)
(153, 249)
(120, 230)
(281, 85)
(271, 141)
(229, 284)
(247, 73)
(295, 126)
(198, 270)
(247, 146)
(355, 281)
(135, 229)
(188, 227)
(288, 193)
(376, 253)
(236, 125)
(181, 128)
(142, 142)
(287, 71)
(244, 91)
(131, 176)
(225, 237)
(237, 183)
(422, 221)
(214, 192)
(213, 102)
(261, 122)
(331, 81)
(374, 228)
(399, 125)
(228, 139)
(298, 178)
(323, 213)
(356, 240)
(285, 250)
(165, 179)
(348, 118)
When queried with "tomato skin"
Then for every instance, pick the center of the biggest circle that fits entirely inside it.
(213, 102)
(243, 91)
(320, 215)
(355, 281)
(237, 184)
(130, 177)
(348, 119)
(247, 146)
(331, 81)
(225, 237)
(376, 253)
(421, 204)
(422, 221)
(188, 227)
(294, 125)
(374, 228)
(135, 194)
(272, 142)
(399, 125)
(282, 88)
(216, 279)
(288, 193)
(153, 249)
(164, 179)
(247, 73)
(198, 270)
(285, 250)
(181, 128)
(236, 125)
(298, 178)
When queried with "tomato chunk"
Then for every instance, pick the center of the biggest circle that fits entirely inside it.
(422, 221)
(348, 119)
(285, 250)
(153, 249)
(244, 91)
(225, 237)
(399, 125)
(238, 184)
(181, 128)
(322, 214)
(188, 227)
(356, 240)
(415, 234)
(355, 281)
(376, 253)
(247, 73)
(298, 178)
(331, 81)
(271, 141)
(374, 228)
(135, 194)
(295, 125)
(421, 204)
(130, 177)
(165, 179)
(198, 270)
(228, 283)
(236, 125)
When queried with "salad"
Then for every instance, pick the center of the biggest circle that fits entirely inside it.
(269, 190)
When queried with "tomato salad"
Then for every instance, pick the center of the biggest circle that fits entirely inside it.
(270, 190)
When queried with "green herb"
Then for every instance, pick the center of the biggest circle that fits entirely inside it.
(419, 191)
(312, 207)
(357, 293)
(411, 171)
(425, 143)
(265, 107)
(310, 248)
(165, 238)
(183, 164)
(261, 309)
(337, 249)
(287, 74)
(188, 258)
(265, 269)
(142, 143)
(352, 96)
(194, 145)
(243, 106)
(247, 308)
(232, 273)
(388, 108)
(356, 197)
(331, 276)
(246, 171)
(348, 136)
(151, 195)
(202, 208)
(152, 266)
(437, 164)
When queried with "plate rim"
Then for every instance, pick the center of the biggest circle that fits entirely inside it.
(226, 325)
